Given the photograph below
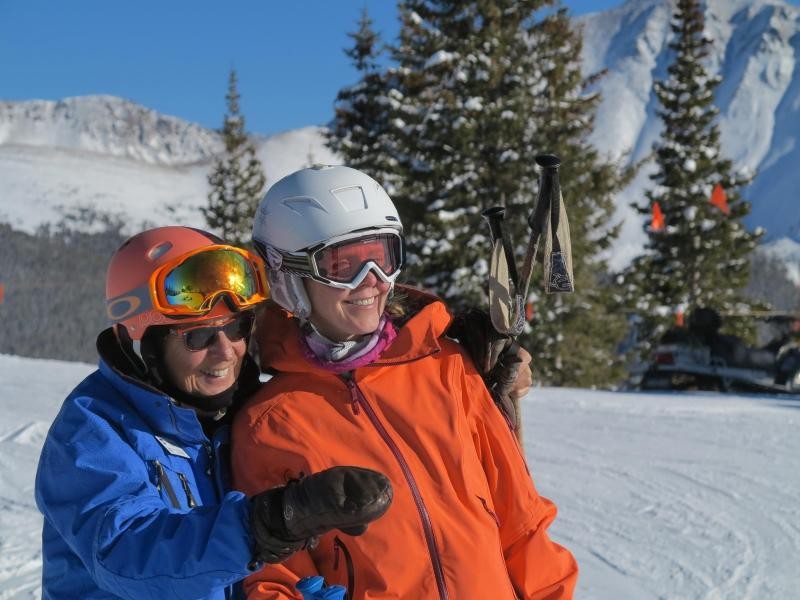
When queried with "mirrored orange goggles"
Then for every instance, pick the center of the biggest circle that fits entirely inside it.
(192, 283)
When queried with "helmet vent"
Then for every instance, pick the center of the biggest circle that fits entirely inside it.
(158, 251)
(351, 198)
(299, 203)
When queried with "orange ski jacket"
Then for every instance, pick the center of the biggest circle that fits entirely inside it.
(466, 521)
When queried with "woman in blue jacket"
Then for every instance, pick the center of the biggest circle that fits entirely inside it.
(133, 476)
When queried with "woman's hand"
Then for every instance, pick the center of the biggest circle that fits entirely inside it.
(524, 378)
(503, 363)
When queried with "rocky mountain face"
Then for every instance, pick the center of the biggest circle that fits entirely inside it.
(111, 154)
(107, 125)
(756, 49)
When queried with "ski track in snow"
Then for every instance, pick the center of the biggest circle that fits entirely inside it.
(660, 496)
(671, 496)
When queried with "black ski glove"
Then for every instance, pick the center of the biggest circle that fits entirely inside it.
(496, 356)
(286, 519)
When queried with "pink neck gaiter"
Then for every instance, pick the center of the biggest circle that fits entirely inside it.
(317, 348)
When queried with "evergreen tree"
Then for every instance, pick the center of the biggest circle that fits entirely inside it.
(476, 91)
(461, 136)
(361, 110)
(237, 180)
(701, 255)
(576, 335)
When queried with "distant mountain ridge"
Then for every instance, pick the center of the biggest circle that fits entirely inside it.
(114, 155)
(107, 125)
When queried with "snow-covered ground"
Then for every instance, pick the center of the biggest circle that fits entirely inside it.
(660, 496)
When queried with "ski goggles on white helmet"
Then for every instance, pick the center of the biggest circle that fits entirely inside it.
(344, 261)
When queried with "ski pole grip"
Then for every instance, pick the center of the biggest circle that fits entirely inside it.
(494, 216)
(548, 161)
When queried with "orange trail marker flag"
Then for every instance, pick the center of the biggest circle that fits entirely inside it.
(2, 292)
(529, 311)
(720, 199)
(657, 223)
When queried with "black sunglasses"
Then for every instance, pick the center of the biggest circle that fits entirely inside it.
(200, 338)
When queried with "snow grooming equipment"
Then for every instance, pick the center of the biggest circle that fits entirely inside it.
(508, 288)
(699, 357)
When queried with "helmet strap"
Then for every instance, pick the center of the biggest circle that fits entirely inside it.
(131, 349)
(302, 302)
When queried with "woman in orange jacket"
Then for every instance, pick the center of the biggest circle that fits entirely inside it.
(365, 379)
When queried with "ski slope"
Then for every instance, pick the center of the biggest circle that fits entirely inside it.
(660, 496)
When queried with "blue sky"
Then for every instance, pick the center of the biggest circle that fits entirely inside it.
(174, 56)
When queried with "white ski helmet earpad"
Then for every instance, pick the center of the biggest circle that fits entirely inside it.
(288, 291)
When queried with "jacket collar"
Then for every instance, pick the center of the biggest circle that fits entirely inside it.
(151, 404)
(155, 408)
(418, 334)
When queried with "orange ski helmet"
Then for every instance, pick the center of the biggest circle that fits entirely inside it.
(174, 274)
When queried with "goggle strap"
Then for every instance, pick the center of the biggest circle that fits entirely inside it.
(130, 304)
(296, 263)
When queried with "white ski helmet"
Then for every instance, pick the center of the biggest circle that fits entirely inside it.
(310, 207)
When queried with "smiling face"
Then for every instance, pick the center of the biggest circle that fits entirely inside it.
(341, 314)
(205, 372)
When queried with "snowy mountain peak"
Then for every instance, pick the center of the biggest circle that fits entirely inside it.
(116, 156)
(756, 46)
(107, 125)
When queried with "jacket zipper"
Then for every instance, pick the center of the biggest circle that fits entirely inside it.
(210, 455)
(163, 480)
(490, 511)
(213, 472)
(496, 519)
(338, 545)
(189, 497)
(359, 399)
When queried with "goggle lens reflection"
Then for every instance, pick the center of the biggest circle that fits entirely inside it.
(202, 277)
(344, 261)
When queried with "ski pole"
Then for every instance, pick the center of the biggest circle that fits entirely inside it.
(495, 216)
(548, 212)
(507, 295)
(508, 287)
(505, 301)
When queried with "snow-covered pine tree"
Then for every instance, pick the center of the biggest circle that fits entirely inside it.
(361, 113)
(237, 180)
(461, 96)
(701, 255)
(575, 336)
(476, 91)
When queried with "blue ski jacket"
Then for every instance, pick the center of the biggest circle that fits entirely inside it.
(135, 499)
